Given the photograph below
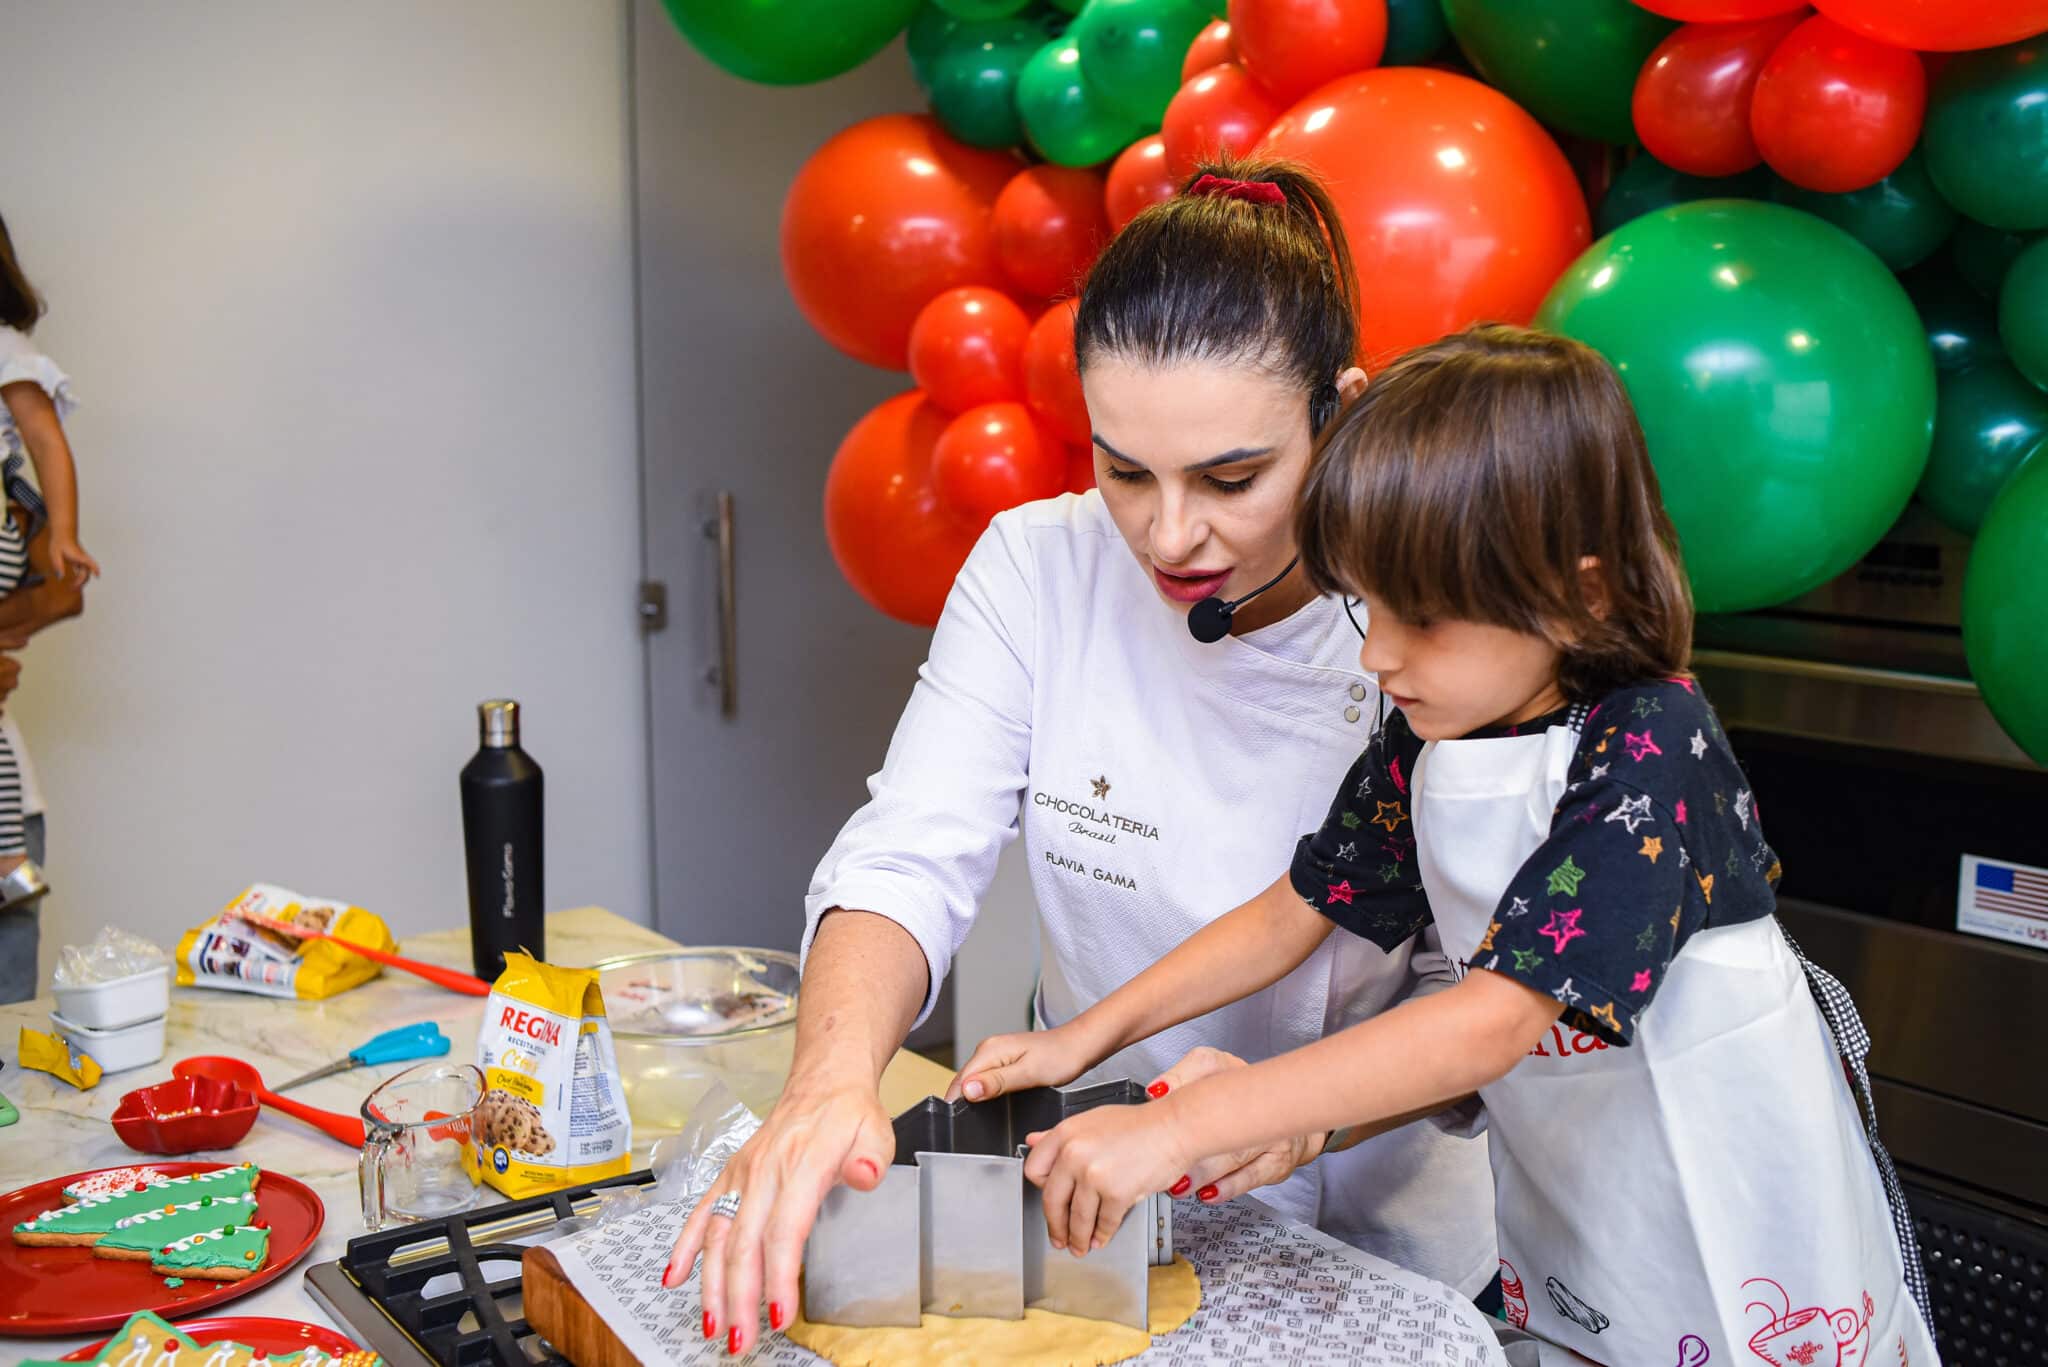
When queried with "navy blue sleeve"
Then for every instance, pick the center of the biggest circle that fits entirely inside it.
(1359, 869)
(1656, 837)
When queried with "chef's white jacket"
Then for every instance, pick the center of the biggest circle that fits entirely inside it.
(1158, 782)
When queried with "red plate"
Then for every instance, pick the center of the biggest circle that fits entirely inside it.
(42, 1287)
(272, 1337)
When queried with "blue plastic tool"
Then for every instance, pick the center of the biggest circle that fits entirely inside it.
(424, 1040)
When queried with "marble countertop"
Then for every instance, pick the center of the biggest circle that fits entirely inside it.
(63, 1131)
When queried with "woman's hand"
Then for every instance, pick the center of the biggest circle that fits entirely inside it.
(70, 560)
(814, 1139)
(1011, 1063)
(1226, 1176)
(1095, 1166)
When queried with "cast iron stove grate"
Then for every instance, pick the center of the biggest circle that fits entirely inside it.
(446, 1293)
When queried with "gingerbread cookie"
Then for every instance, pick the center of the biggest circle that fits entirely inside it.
(509, 1122)
(146, 1341)
(166, 1221)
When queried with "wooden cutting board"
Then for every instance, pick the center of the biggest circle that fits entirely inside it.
(560, 1315)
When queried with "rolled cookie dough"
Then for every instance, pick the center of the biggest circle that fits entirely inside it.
(1041, 1338)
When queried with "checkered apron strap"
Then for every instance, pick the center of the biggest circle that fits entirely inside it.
(1852, 1042)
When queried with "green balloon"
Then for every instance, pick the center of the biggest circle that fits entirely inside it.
(982, 9)
(1902, 218)
(1070, 6)
(789, 42)
(1961, 329)
(1571, 63)
(929, 33)
(1987, 134)
(1982, 255)
(1416, 31)
(1064, 118)
(1131, 51)
(1647, 183)
(1986, 419)
(2023, 312)
(2005, 601)
(1782, 381)
(974, 81)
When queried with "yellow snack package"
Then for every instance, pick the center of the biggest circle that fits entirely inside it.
(553, 1113)
(55, 1056)
(230, 953)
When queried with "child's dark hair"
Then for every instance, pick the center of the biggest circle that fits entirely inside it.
(1469, 481)
(20, 306)
(1209, 277)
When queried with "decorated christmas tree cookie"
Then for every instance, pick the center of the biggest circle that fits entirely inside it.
(146, 1341)
(202, 1224)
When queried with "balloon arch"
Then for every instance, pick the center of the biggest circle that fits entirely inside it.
(1821, 263)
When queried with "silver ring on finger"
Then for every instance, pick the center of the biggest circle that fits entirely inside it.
(727, 1205)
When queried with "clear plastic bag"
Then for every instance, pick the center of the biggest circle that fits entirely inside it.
(684, 1165)
(113, 953)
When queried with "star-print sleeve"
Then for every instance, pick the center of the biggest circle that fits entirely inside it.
(1655, 814)
(1359, 868)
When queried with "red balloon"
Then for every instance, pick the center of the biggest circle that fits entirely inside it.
(967, 348)
(885, 215)
(1049, 224)
(1222, 110)
(995, 457)
(1458, 205)
(1692, 96)
(1080, 469)
(1835, 111)
(1940, 25)
(1721, 11)
(1052, 381)
(895, 542)
(1292, 46)
(1213, 46)
(1137, 181)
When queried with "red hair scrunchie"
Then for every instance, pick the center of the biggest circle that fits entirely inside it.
(1251, 191)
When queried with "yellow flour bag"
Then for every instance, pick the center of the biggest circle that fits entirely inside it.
(232, 953)
(553, 1114)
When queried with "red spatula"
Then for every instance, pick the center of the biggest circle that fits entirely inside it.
(452, 979)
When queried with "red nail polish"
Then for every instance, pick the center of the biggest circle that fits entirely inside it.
(732, 1339)
(1156, 1090)
(774, 1314)
(710, 1326)
(1180, 1188)
(1207, 1193)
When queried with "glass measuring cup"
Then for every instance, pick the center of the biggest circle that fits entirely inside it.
(417, 1161)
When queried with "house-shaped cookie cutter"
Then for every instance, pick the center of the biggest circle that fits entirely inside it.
(955, 1229)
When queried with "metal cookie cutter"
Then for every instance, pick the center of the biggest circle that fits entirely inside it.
(954, 1229)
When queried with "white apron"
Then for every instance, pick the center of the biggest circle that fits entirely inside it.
(1703, 1195)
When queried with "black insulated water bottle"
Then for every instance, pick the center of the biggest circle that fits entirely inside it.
(501, 833)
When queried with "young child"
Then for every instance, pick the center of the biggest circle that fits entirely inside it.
(1675, 1141)
(36, 397)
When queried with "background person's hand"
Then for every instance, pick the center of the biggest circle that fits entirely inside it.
(1012, 1063)
(1225, 1176)
(814, 1139)
(70, 561)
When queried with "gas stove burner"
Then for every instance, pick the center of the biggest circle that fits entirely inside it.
(446, 1293)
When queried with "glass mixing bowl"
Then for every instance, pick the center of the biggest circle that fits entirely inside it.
(683, 1019)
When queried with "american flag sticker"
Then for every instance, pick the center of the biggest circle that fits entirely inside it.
(2003, 901)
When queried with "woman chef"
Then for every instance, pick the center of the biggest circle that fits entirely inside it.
(1090, 684)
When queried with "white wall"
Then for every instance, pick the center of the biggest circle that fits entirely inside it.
(347, 294)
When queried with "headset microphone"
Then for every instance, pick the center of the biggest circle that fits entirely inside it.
(1209, 620)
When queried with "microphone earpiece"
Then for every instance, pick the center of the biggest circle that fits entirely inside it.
(1209, 620)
